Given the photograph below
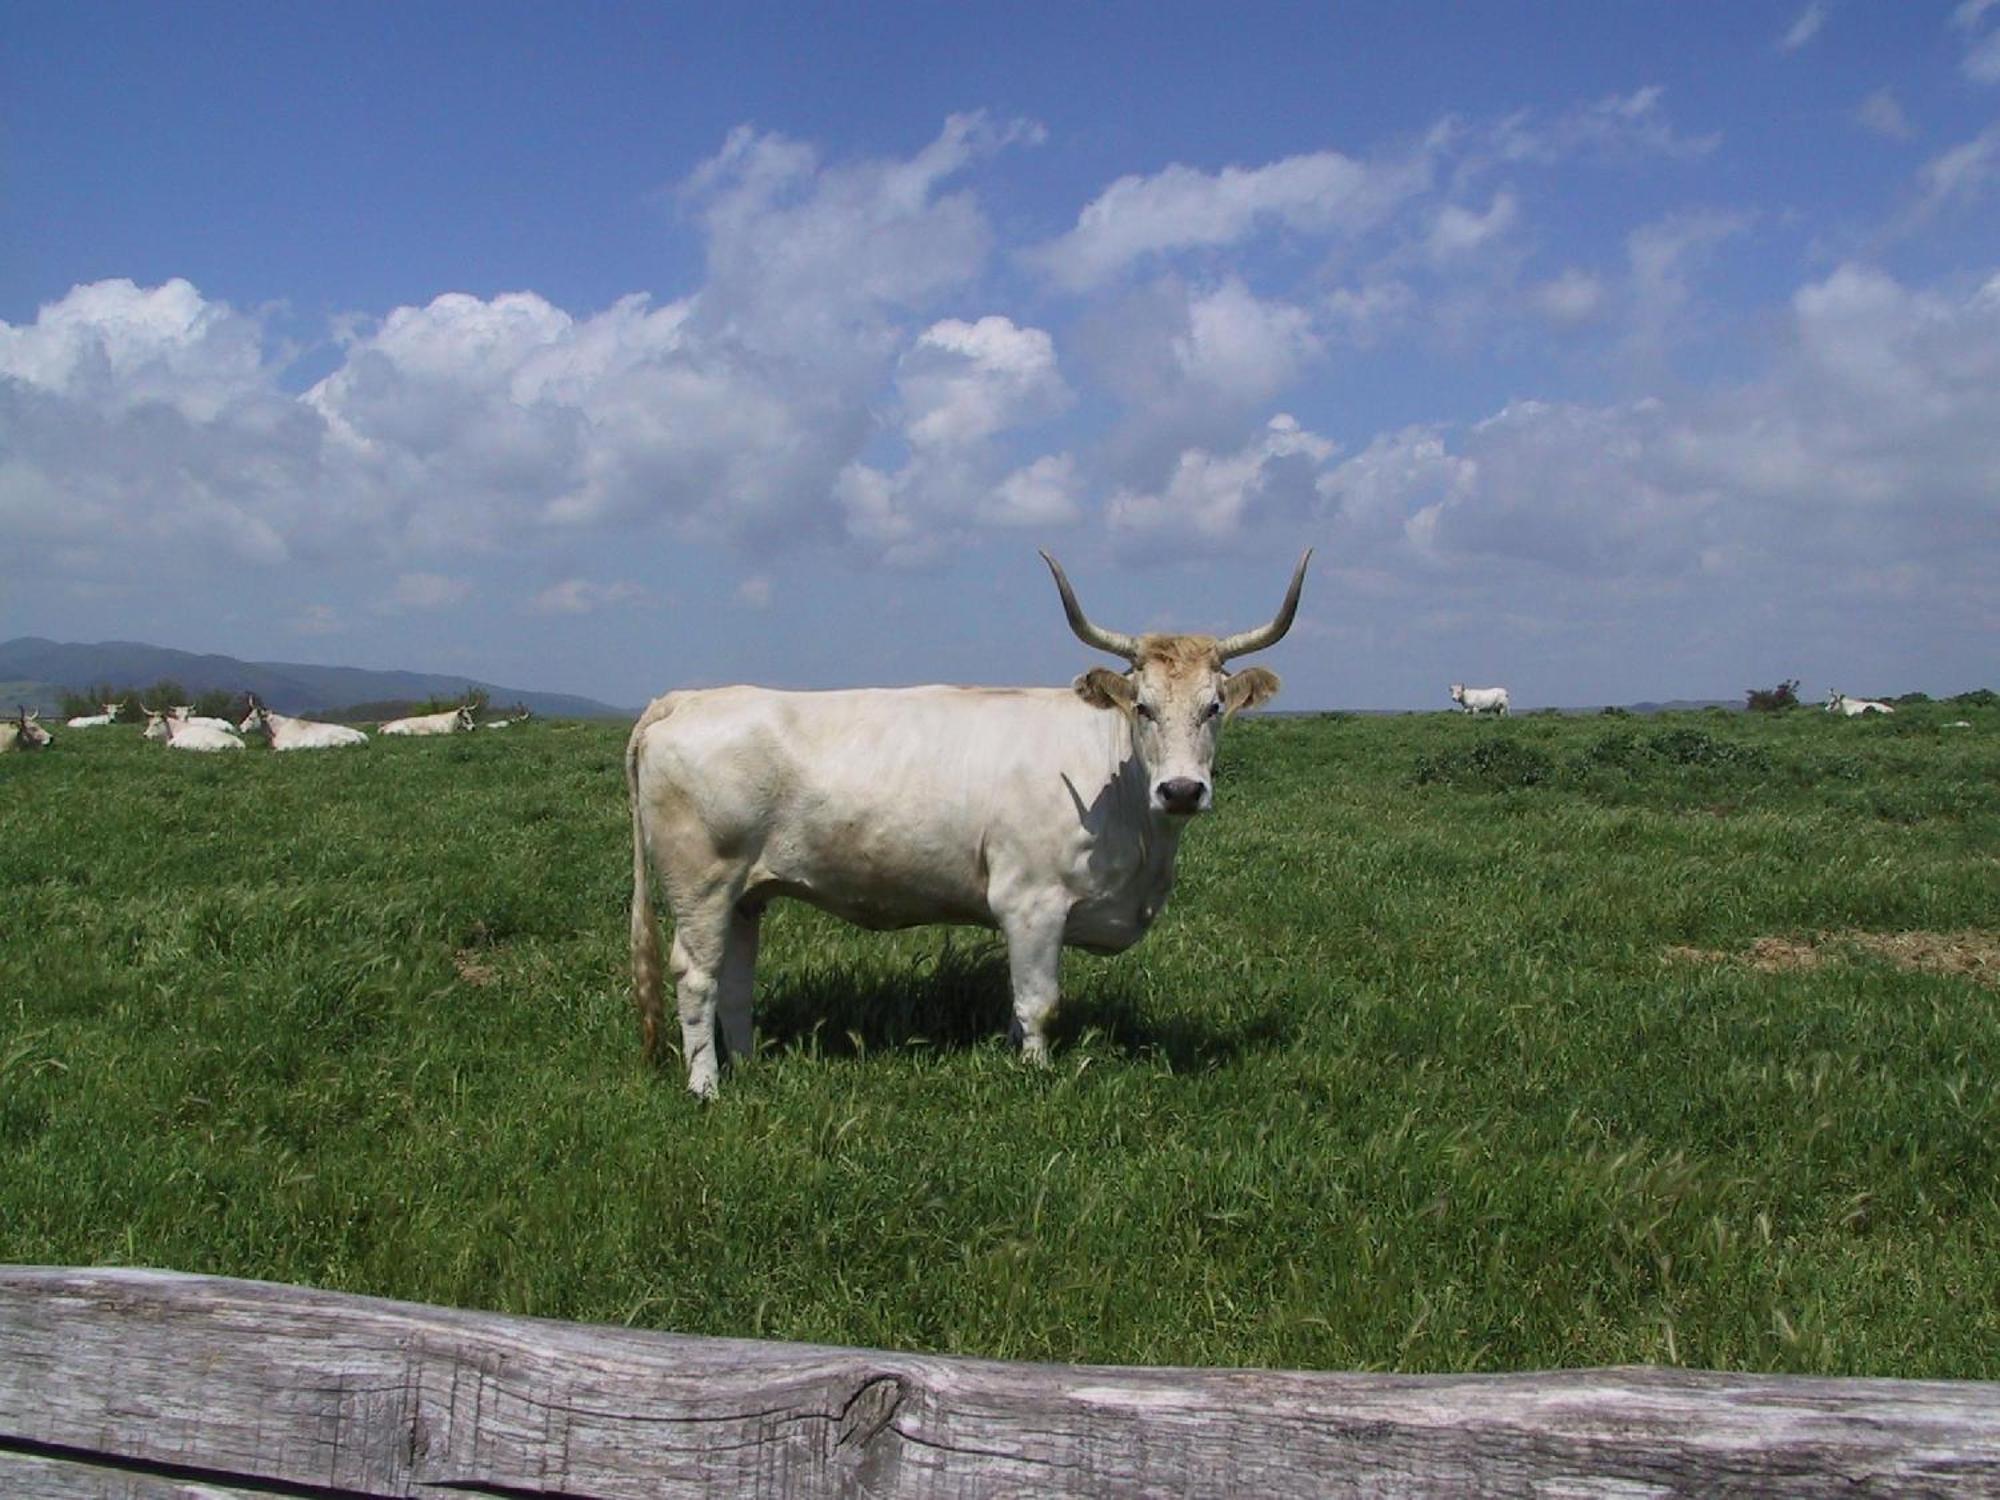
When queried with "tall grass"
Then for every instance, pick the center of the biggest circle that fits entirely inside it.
(1451, 1053)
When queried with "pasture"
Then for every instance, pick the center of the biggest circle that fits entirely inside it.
(1463, 1046)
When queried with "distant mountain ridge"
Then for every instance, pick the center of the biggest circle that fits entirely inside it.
(30, 662)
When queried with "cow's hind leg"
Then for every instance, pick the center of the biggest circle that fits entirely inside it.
(701, 939)
(738, 985)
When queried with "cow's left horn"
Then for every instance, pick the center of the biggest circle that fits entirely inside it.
(1116, 642)
(1269, 635)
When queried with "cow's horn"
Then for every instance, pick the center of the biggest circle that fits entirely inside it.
(1268, 635)
(1116, 642)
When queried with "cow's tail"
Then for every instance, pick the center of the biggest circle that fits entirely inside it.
(648, 975)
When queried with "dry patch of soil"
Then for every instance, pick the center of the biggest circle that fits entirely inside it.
(1971, 954)
(471, 970)
(1974, 954)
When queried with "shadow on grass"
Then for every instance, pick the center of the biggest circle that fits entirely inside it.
(952, 1000)
(960, 998)
(1186, 1041)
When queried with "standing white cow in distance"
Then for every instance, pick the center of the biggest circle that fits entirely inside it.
(24, 732)
(1854, 708)
(1473, 700)
(188, 734)
(98, 721)
(452, 721)
(286, 733)
(1051, 814)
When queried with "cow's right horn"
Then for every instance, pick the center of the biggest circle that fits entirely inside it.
(1116, 642)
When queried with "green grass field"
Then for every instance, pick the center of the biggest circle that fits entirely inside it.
(1463, 1046)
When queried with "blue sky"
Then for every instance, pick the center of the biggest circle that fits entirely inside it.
(1606, 351)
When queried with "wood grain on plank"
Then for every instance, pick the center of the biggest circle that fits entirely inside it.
(144, 1383)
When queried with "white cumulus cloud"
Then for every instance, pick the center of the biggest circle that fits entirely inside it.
(427, 591)
(120, 346)
(1805, 26)
(1881, 113)
(1960, 175)
(1873, 440)
(140, 420)
(1617, 129)
(583, 596)
(1044, 493)
(963, 383)
(1182, 207)
(1574, 296)
(1215, 497)
(1457, 232)
(1981, 61)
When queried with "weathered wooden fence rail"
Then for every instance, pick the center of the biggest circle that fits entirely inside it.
(148, 1384)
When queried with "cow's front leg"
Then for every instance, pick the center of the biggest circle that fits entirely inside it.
(738, 985)
(1034, 963)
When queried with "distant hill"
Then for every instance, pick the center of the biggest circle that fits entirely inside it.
(37, 671)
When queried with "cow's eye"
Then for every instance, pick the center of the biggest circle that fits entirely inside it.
(1212, 710)
(1145, 712)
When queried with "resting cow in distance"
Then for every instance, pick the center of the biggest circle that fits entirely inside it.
(24, 732)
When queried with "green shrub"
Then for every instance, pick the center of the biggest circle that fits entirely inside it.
(1773, 700)
(1695, 747)
(1623, 750)
(1494, 764)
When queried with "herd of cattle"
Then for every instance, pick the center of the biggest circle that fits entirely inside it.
(181, 728)
(1493, 700)
(1052, 815)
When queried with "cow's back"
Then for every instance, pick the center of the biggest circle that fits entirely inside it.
(887, 806)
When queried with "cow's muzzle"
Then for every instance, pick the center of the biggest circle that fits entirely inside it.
(1182, 795)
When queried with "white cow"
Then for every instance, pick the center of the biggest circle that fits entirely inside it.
(1052, 814)
(520, 718)
(1473, 700)
(98, 721)
(451, 721)
(24, 732)
(286, 733)
(1854, 708)
(188, 734)
(183, 713)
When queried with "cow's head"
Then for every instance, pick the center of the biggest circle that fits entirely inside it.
(1176, 693)
(156, 723)
(465, 719)
(29, 731)
(256, 720)
(1458, 692)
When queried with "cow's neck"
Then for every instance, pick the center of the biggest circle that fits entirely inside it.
(1148, 871)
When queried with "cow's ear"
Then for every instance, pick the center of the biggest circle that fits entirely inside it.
(1101, 687)
(1248, 688)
